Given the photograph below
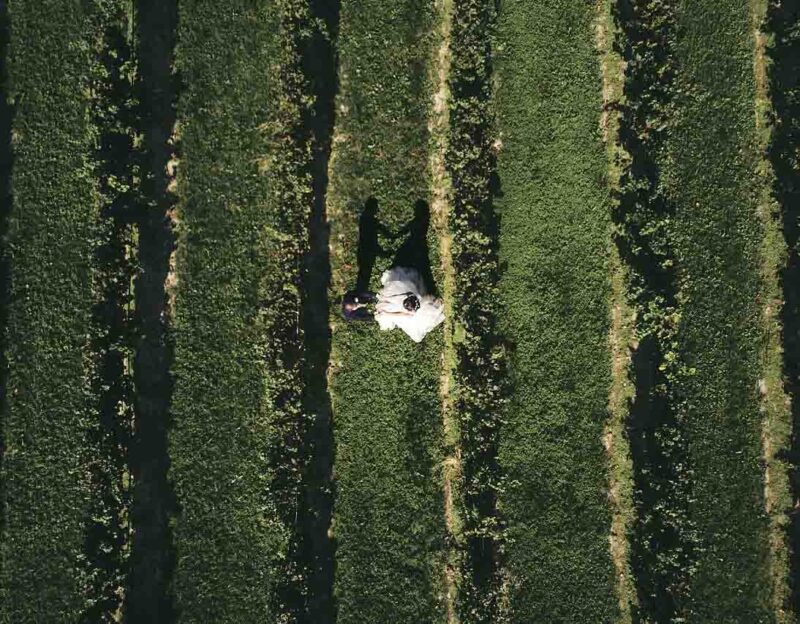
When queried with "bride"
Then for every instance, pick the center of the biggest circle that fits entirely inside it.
(404, 302)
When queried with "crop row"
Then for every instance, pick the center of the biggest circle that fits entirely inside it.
(245, 193)
(554, 244)
(689, 228)
(59, 491)
(388, 521)
(480, 368)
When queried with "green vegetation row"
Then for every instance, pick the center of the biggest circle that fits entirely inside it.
(713, 150)
(480, 370)
(244, 198)
(554, 242)
(690, 230)
(52, 231)
(388, 520)
(66, 417)
(662, 539)
(783, 23)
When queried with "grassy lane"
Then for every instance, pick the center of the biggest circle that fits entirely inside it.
(242, 218)
(48, 466)
(709, 172)
(388, 520)
(621, 331)
(554, 233)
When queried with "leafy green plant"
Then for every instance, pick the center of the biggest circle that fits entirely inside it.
(480, 373)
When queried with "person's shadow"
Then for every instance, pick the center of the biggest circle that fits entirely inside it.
(414, 252)
(368, 246)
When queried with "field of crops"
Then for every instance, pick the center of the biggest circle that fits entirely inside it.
(606, 197)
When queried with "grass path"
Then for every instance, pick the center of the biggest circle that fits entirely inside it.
(242, 218)
(554, 232)
(388, 520)
(621, 328)
(712, 154)
(439, 126)
(776, 403)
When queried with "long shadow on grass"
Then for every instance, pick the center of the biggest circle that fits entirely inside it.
(369, 247)
(414, 252)
(660, 538)
(783, 20)
(152, 559)
(6, 158)
(317, 548)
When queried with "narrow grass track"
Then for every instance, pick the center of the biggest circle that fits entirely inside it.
(709, 172)
(388, 522)
(776, 404)
(242, 215)
(554, 233)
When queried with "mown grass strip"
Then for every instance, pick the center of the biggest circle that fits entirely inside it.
(49, 462)
(441, 191)
(709, 172)
(479, 372)
(242, 219)
(783, 26)
(554, 232)
(388, 521)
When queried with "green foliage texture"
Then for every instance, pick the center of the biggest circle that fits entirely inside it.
(554, 243)
(388, 522)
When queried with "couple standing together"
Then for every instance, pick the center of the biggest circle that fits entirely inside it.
(405, 300)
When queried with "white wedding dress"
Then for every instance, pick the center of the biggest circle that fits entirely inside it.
(398, 282)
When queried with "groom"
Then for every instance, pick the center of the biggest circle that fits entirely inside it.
(354, 305)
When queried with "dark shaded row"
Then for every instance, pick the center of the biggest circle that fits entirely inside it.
(480, 371)
(783, 23)
(661, 542)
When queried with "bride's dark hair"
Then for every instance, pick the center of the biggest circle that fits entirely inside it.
(411, 303)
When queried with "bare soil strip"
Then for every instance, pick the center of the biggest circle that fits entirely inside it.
(438, 126)
(620, 330)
